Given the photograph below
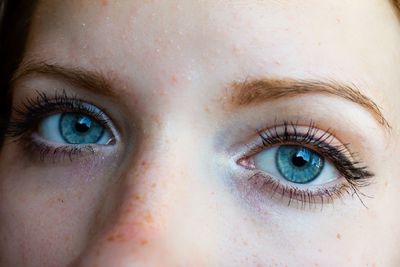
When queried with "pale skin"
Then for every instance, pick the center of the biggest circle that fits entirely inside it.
(170, 191)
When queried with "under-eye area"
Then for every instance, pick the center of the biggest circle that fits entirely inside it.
(304, 165)
(199, 133)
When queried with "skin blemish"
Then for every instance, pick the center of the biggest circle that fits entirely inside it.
(144, 242)
(104, 2)
(144, 163)
(338, 236)
(174, 79)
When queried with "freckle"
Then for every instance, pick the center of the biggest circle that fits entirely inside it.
(148, 217)
(138, 197)
(60, 200)
(236, 50)
(104, 2)
(156, 120)
(153, 185)
(117, 237)
(386, 183)
(144, 242)
(338, 236)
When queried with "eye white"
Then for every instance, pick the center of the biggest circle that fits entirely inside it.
(266, 162)
(49, 129)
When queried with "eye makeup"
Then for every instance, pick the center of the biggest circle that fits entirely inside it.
(293, 140)
(26, 126)
(352, 175)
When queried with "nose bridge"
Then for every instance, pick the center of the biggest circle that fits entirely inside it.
(148, 195)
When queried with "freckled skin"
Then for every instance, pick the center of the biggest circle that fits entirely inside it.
(169, 193)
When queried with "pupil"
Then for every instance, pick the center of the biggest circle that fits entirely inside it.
(299, 161)
(83, 125)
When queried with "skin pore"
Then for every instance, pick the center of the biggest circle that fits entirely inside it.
(174, 186)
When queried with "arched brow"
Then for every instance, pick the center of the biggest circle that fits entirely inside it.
(256, 91)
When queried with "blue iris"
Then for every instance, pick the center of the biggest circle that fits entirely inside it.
(298, 164)
(80, 129)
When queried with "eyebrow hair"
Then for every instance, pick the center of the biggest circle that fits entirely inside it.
(255, 91)
(249, 92)
(94, 81)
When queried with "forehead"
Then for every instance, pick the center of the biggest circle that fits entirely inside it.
(331, 39)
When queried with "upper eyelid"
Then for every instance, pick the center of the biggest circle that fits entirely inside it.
(348, 155)
(61, 102)
(244, 93)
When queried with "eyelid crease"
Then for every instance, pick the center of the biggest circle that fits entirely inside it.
(317, 140)
(256, 91)
(34, 109)
(351, 169)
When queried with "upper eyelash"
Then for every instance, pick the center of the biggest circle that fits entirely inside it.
(32, 110)
(26, 117)
(352, 170)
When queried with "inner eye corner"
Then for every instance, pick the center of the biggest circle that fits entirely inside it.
(246, 162)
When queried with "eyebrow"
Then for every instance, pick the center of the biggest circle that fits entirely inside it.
(248, 92)
(256, 91)
(94, 81)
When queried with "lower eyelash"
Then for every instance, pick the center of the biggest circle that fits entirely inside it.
(28, 114)
(303, 198)
(42, 152)
(22, 126)
(355, 175)
(340, 155)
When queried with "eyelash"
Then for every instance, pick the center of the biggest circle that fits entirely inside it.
(27, 116)
(355, 174)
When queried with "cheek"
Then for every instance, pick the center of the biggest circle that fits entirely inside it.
(44, 209)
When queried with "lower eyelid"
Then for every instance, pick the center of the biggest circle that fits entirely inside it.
(337, 183)
(293, 195)
(44, 152)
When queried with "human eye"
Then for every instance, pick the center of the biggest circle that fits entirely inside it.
(61, 126)
(304, 165)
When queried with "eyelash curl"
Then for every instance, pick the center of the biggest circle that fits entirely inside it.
(355, 174)
(26, 117)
